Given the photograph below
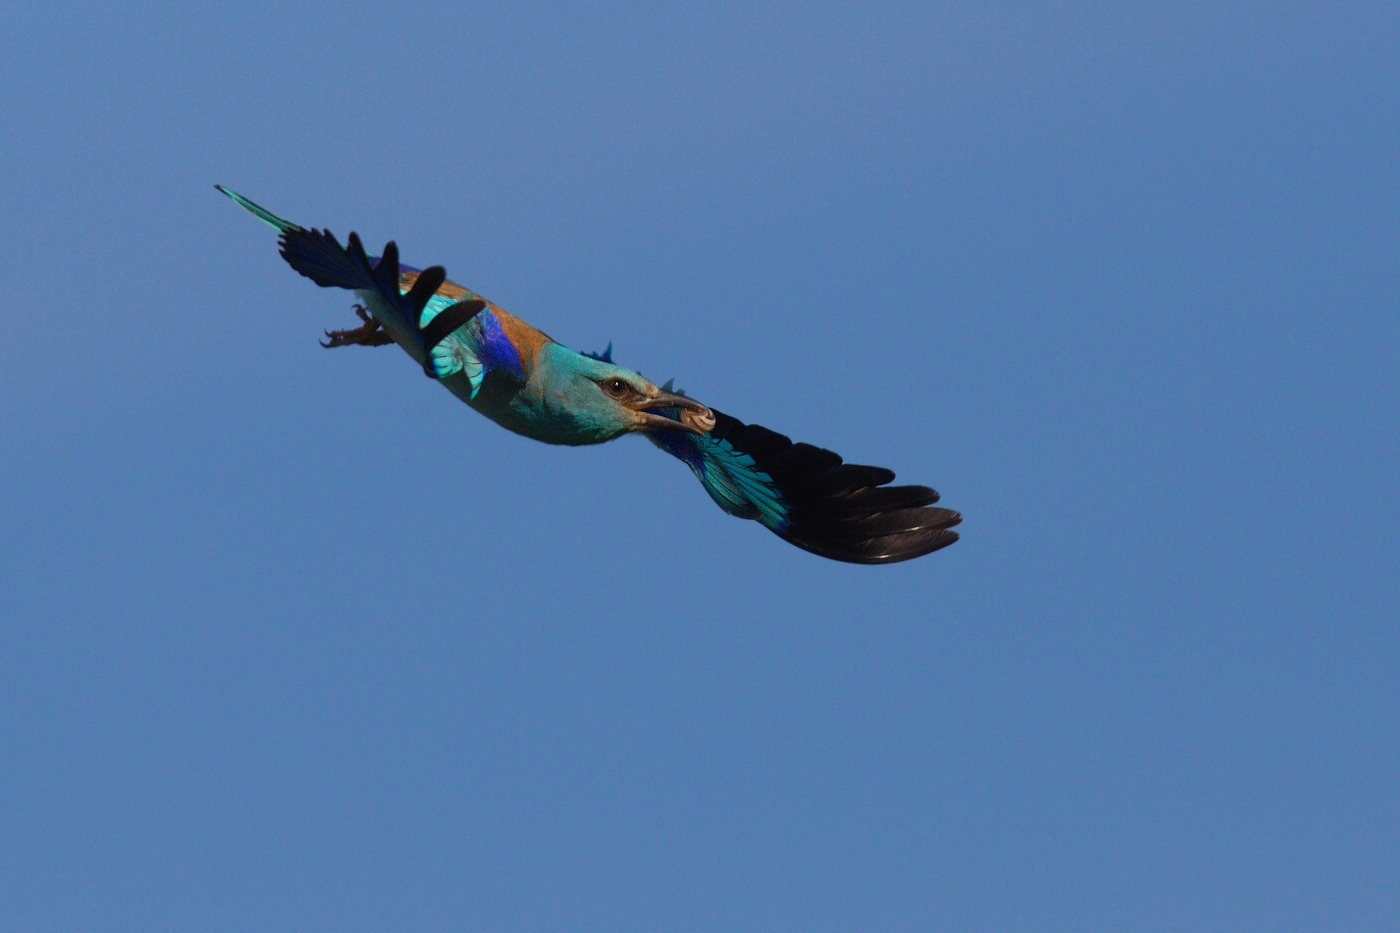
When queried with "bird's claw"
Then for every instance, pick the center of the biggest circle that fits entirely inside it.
(368, 334)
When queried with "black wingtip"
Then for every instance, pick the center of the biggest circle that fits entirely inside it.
(889, 549)
(843, 511)
(423, 290)
(386, 272)
(443, 323)
(882, 549)
(318, 255)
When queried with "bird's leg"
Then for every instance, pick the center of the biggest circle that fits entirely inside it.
(368, 334)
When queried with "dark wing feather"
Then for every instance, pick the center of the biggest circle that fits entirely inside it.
(318, 255)
(840, 510)
(809, 497)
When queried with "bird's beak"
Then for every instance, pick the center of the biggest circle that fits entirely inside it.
(694, 417)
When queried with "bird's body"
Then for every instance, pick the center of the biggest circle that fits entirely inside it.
(528, 383)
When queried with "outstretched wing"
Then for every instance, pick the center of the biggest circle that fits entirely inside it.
(441, 320)
(807, 496)
(455, 330)
(318, 255)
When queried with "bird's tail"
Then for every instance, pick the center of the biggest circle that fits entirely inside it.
(318, 255)
(262, 213)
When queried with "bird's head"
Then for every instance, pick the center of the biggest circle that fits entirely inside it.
(607, 400)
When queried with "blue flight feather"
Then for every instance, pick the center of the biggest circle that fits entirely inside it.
(475, 348)
(730, 477)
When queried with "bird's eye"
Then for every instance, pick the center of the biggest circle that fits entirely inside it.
(617, 388)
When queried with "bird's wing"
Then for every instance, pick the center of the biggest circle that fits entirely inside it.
(466, 337)
(457, 331)
(807, 496)
(442, 320)
(453, 334)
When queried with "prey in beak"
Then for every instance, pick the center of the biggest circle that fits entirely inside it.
(654, 409)
(668, 411)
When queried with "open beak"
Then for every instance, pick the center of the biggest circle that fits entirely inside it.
(693, 416)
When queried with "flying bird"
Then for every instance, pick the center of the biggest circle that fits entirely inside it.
(528, 383)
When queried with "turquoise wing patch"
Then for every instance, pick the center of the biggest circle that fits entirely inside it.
(466, 337)
(738, 486)
(459, 351)
(731, 477)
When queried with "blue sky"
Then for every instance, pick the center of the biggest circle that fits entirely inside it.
(291, 640)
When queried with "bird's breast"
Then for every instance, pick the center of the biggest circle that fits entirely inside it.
(532, 410)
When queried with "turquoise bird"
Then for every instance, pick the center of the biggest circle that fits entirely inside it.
(526, 382)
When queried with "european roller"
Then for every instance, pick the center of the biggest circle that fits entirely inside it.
(528, 383)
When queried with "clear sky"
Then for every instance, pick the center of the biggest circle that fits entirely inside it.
(290, 640)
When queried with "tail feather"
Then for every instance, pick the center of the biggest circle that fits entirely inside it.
(318, 255)
(262, 213)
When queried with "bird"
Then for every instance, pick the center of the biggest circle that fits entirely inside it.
(530, 384)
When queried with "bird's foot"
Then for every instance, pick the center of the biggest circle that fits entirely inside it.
(368, 334)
